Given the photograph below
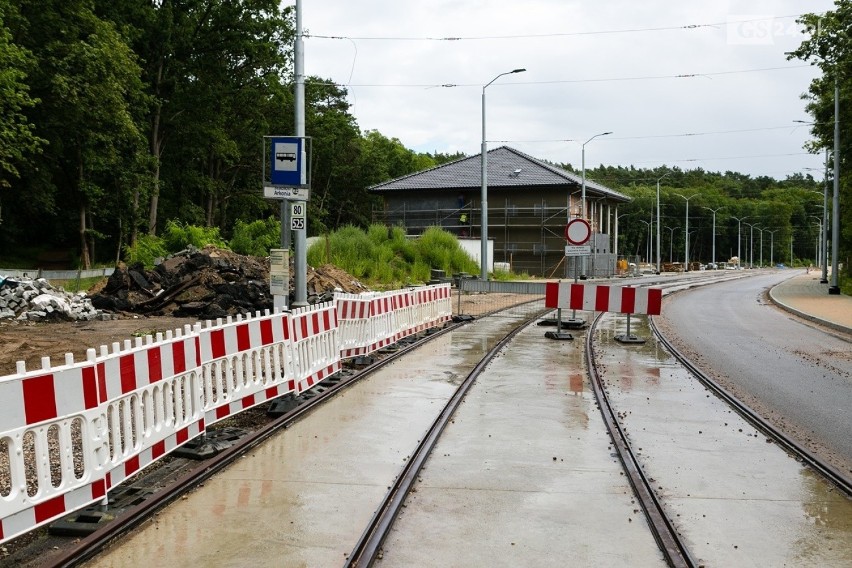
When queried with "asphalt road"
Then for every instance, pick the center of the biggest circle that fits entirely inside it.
(798, 376)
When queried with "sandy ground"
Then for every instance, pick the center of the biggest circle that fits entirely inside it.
(29, 342)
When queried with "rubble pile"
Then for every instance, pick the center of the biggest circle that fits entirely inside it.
(25, 299)
(207, 283)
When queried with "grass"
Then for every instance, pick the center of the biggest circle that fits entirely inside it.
(384, 257)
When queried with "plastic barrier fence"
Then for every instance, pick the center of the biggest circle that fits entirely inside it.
(601, 298)
(68, 434)
(245, 363)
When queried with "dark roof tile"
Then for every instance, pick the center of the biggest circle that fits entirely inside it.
(507, 168)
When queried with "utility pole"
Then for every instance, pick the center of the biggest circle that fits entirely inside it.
(300, 262)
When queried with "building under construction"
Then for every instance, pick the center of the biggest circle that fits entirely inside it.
(529, 204)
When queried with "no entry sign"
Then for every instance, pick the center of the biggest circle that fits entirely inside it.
(577, 232)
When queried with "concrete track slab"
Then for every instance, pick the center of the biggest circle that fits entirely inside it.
(303, 497)
(524, 475)
(738, 500)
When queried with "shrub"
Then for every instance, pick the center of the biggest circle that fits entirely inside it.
(256, 238)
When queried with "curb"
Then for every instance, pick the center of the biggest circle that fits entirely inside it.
(806, 316)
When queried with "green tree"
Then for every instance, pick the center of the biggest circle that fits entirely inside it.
(828, 45)
(17, 135)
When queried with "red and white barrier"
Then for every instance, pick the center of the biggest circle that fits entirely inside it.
(245, 363)
(83, 428)
(603, 298)
(315, 345)
(151, 400)
(353, 318)
(40, 413)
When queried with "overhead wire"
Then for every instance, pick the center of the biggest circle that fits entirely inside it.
(549, 35)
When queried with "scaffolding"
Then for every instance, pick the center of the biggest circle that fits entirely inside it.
(529, 239)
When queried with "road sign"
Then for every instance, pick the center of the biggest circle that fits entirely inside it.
(297, 223)
(578, 250)
(577, 232)
(287, 193)
(287, 158)
(297, 210)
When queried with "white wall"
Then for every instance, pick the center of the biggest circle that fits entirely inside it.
(473, 247)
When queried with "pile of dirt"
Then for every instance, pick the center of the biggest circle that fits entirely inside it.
(208, 283)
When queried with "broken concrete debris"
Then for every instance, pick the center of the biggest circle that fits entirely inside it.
(25, 299)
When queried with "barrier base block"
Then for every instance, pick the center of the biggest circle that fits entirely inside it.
(207, 446)
(282, 405)
(82, 523)
(624, 338)
(558, 335)
(462, 318)
(363, 361)
(94, 517)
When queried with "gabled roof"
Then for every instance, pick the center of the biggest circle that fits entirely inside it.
(507, 168)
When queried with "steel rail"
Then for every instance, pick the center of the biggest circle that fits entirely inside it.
(664, 531)
(369, 544)
(831, 473)
(89, 547)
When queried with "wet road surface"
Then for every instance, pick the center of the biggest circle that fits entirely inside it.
(737, 499)
(525, 475)
(799, 376)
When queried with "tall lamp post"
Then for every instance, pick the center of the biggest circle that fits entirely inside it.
(484, 166)
(648, 241)
(714, 232)
(671, 241)
(834, 288)
(739, 220)
(771, 246)
(658, 220)
(761, 246)
(686, 232)
(617, 218)
(583, 186)
(751, 244)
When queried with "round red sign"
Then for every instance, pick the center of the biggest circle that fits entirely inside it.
(578, 231)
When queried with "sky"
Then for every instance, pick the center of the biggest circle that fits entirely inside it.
(686, 83)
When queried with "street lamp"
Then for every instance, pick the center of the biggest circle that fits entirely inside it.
(615, 252)
(671, 240)
(834, 288)
(771, 246)
(583, 186)
(484, 166)
(739, 220)
(647, 242)
(658, 220)
(820, 244)
(714, 232)
(761, 246)
(686, 232)
(824, 240)
(751, 244)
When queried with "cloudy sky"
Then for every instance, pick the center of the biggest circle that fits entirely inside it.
(688, 83)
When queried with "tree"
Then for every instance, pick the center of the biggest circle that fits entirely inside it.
(17, 134)
(828, 45)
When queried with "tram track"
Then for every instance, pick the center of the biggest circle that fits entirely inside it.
(369, 544)
(89, 547)
(666, 532)
(829, 472)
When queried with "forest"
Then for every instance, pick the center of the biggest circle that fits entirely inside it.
(118, 117)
